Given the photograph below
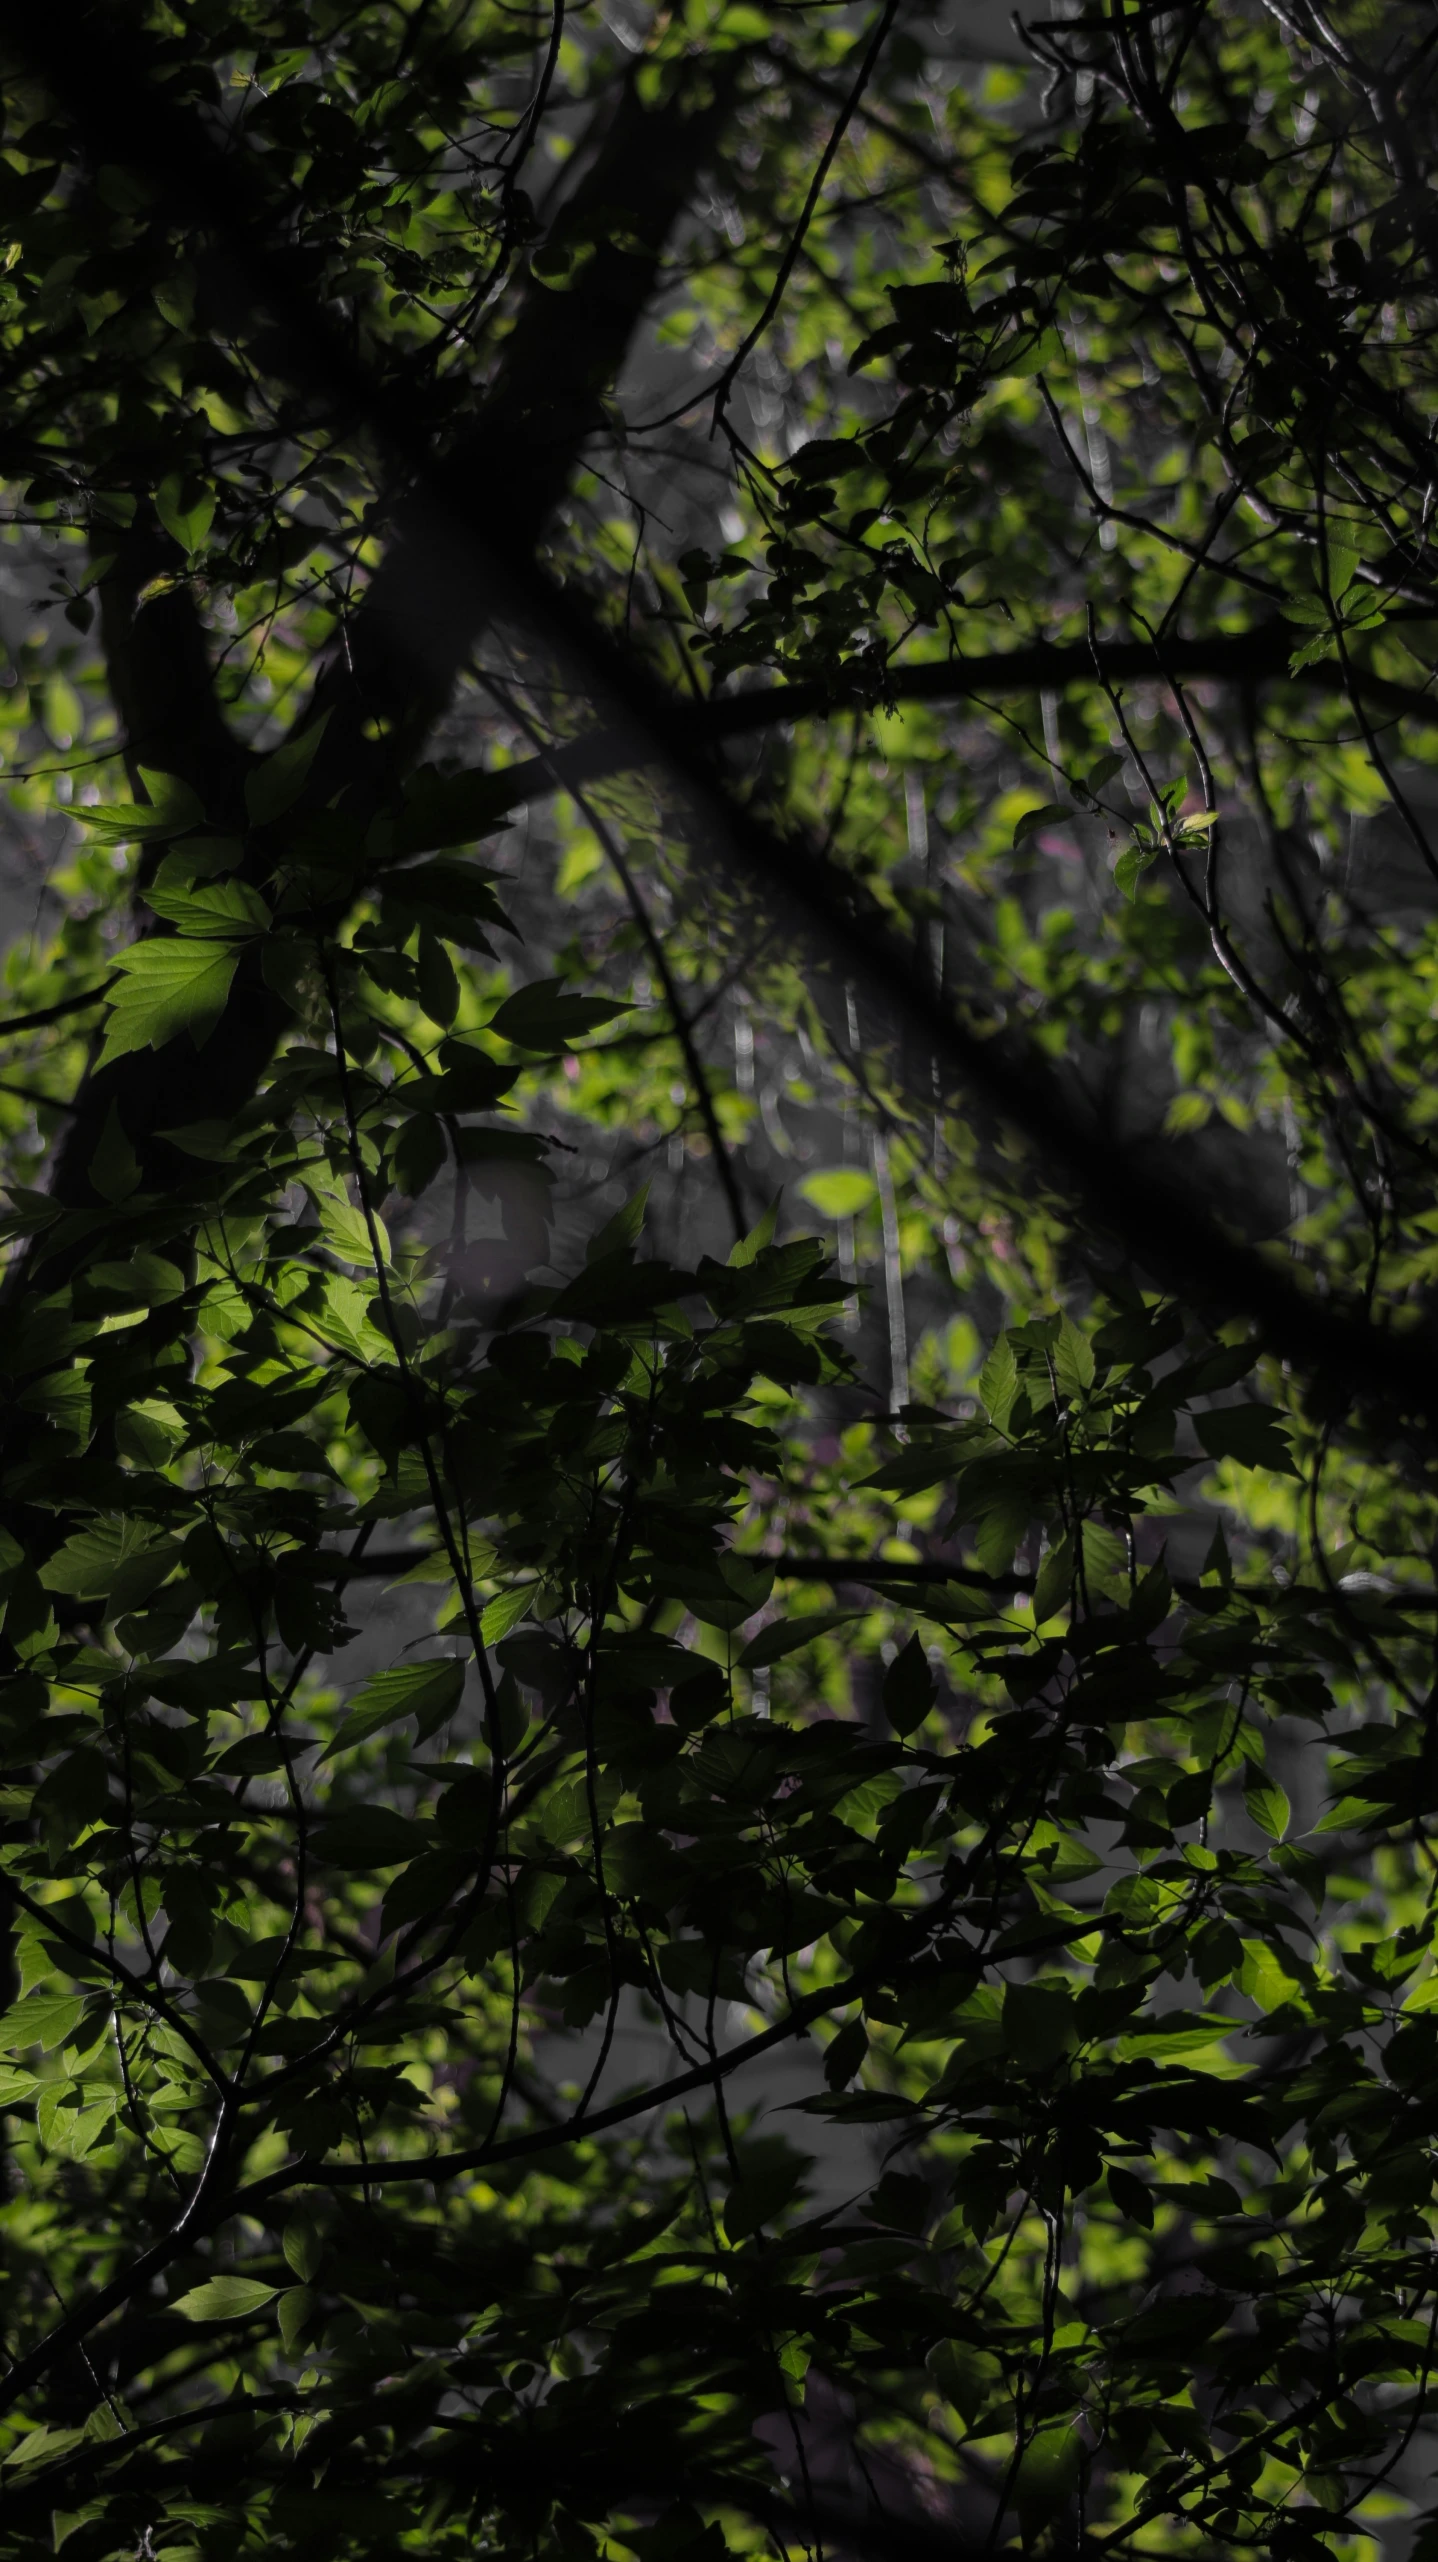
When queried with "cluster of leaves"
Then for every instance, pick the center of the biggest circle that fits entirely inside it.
(1163, 404)
(272, 2091)
(141, 395)
(716, 1719)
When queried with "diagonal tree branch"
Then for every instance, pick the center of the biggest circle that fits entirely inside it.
(397, 664)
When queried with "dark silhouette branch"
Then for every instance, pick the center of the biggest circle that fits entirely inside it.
(1247, 659)
(1257, 657)
(12, 1026)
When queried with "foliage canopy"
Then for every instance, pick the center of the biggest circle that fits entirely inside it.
(719, 1131)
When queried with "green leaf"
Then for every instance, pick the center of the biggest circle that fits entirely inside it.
(303, 2245)
(146, 1281)
(692, 1966)
(452, 899)
(1309, 1871)
(1105, 1559)
(1040, 2025)
(901, 2201)
(844, 2056)
(175, 806)
(698, 1699)
(142, 1282)
(209, 909)
(346, 1229)
(787, 1635)
(196, 1687)
(1047, 2474)
(999, 1382)
(417, 1155)
(1046, 349)
(1255, 1435)
(1103, 771)
(624, 1229)
(759, 1239)
(1267, 1804)
(506, 1611)
(435, 1567)
(225, 2017)
(274, 786)
(1000, 1527)
(42, 2442)
(88, 1562)
(225, 2299)
(63, 1396)
(292, 1451)
(213, 1141)
(440, 810)
(173, 810)
(729, 1591)
(149, 1432)
(170, 987)
(114, 1167)
(969, 2377)
(370, 1837)
(76, 2132)
(202, 857)
(187, 513)
(1133, 2200)
(1054, 1582)
(520, 2328)
(1264, 1979)
(45, 2020)
(297, 2309)
(909, 1691)
(438, 986)
(542, 1017)
(842, 1193)
(429, 1690)
(828, 457)
(1073, 1360)
(1176, 2036)
(347, 1321)
(762, 2192)
(1132, 863)
(1047, 813)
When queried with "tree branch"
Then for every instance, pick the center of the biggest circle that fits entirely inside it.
(1248, 659)
(1257, 657)
(397, 663)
